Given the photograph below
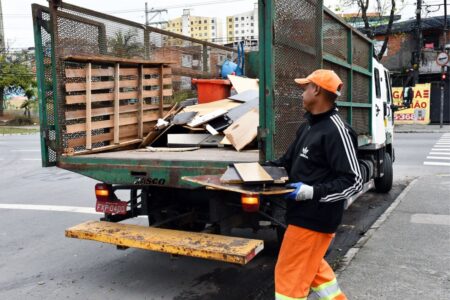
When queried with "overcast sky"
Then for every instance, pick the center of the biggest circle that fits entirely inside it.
(19, 30)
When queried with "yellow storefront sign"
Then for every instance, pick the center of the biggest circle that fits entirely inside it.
(419, 110)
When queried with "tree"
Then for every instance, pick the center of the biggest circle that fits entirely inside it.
(126, 44)
(14, 72)
(381, 8)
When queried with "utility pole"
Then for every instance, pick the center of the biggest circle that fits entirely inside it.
(416, 60)
(2, 32)
(155, 12)
(444, 68)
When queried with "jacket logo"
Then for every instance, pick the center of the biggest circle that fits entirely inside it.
(304, 153)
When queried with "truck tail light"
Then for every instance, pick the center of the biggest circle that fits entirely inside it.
(250, 203)
(102, 192)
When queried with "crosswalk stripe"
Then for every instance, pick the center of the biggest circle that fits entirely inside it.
(441, 146)
(439, 153)
(441, 149)
(432, 163)
(438, 157)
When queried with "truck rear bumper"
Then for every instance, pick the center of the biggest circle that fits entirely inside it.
(203, 245)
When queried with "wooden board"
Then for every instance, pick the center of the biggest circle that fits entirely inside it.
(205, 108)
(278, 174)
(242, 84)
(114, 59)
(109, 72)
(245, 96)
(252, 173)
(213, 181)
(244, 130)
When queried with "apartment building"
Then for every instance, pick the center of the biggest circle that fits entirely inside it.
(243, 27)
(202, 28)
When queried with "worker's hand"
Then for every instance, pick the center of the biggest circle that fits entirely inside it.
(302, 191)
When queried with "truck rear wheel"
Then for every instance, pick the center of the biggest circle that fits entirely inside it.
(384, 184)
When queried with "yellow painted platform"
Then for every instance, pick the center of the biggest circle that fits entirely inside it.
(202, 245)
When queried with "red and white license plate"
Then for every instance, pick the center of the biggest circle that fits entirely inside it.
(116, 207)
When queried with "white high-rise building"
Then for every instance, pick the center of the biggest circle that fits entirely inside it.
(243, 27)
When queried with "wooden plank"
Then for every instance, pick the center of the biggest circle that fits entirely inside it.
(128, 131)
(100, 97)
(117, 86)
(161, 92)
(154, 133)
(157, 81)
(206, 108)
(96, 72)
(156, 93)
(195, 244)
(114, 59)
(88, 107)
(213, 181)
(244, 130)
(252, 173)
(278, 174)
(110, 123)
(140, 111)
(99, 85)
(155, 71)
(242, 84)
(105, 148)
(105, 111)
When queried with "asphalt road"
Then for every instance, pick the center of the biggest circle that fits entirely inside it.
(38, 262)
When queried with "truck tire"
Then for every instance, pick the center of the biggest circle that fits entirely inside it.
(384, 184)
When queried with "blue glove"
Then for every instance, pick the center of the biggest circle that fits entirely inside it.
(302, 191)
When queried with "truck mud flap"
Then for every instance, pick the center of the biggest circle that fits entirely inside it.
(203, 245)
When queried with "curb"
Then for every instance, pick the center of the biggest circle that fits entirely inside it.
(423, 131)
(351, 253)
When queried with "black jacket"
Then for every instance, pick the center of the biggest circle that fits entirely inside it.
(323, 155)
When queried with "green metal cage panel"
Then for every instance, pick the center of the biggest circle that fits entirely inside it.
(67, 29)
(297, 37)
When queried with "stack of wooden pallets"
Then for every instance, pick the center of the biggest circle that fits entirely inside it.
(112, 102)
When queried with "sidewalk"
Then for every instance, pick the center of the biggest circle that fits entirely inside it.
(409, 128)
(408, 256)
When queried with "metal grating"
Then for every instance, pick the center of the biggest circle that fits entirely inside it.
(343, 74)
(360, 88)
(296, 53)
(361, 51)
(360, 120)
(335, 37)
(343, 113)
(79, 31)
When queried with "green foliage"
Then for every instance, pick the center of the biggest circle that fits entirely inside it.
(126, 44)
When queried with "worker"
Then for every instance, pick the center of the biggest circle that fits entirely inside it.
(323, 170)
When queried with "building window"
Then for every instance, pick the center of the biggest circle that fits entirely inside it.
(236, 19)
(251, 24)
(230, 20)
(206, 27)
(237, 32)
(213, 34)
(205, 34)
(251, 18)
(230, 26)
(230, 32)
(251, 31)
(192, 23)
(212, 21)
(242, 18)
(242, 31)
(212, 27)
(237, 25)
(205, 21)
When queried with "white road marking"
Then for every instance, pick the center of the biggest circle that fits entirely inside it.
(53, 208)
(441, 149)
(430, 219)
(26, 150)
(438, 157)
(441, 146)
(439, 153)
(60, 208)
(430, 163)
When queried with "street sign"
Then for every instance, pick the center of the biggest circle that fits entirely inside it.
(442, 59)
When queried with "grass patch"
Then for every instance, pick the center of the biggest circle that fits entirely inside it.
(17, 130)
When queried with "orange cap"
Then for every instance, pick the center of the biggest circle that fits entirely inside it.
(326, 79)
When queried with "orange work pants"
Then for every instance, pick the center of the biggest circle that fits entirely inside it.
(301, 267)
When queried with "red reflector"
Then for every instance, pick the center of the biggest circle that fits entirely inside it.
(102, 192)
(250, 203)
(116, 207)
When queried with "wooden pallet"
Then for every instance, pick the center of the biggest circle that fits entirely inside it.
(112, 102)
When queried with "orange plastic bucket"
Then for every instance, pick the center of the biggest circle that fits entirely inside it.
(210, 90)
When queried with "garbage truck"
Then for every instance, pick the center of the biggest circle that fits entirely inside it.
(104, 82)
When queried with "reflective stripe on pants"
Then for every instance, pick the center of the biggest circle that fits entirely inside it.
(327, 291)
